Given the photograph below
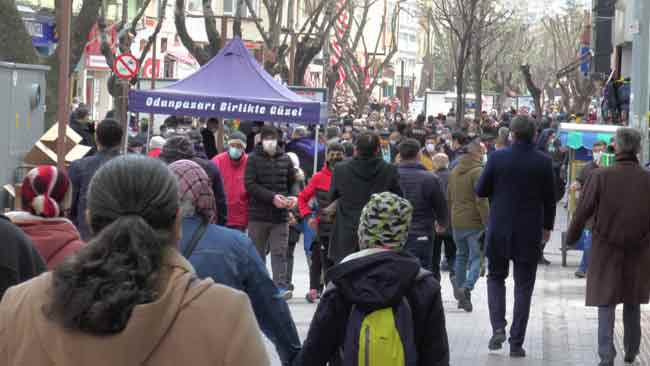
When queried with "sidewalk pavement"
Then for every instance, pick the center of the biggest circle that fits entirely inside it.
(561, 330)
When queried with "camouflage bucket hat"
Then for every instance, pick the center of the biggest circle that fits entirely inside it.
(385, 221)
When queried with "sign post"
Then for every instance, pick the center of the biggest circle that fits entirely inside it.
(126, 67)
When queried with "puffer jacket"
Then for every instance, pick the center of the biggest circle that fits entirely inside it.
(373, 279)
(468, 211)
(265, 177)
(318, 187)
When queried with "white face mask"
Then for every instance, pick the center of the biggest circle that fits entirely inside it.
(269, 146)
(597, 156)
(431, 148)
(484, 158)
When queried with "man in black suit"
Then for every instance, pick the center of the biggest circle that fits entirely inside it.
(518, 180)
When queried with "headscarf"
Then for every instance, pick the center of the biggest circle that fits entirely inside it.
(195, 186)
(385, 221)
(43, 191)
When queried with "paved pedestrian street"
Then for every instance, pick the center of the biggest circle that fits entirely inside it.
(561, 331)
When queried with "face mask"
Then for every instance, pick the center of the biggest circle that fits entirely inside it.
(234, 153)
(269, 146)
(348, 128)
(597, 156)
(484, 158)
(431, 148)
(393, 143)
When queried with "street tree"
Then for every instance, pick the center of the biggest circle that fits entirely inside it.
(364, 59)
(16, 45)
(492, 24)
(459, 18)
(127, 33)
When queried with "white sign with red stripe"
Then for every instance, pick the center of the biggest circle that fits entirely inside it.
(126, 66)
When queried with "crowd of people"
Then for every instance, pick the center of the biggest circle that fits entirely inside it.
(161, 252)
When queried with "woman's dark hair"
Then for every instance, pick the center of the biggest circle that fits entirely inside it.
(132, 204)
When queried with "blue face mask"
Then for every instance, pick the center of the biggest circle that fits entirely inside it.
(234, 153)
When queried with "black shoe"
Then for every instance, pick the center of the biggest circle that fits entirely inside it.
(459, 294)
(544, 261)
(630, 357)
(291, 287)
(517, 352)
(496, 342)
(468, 301)
(579, 274)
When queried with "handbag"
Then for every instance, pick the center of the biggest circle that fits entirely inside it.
(196, 237)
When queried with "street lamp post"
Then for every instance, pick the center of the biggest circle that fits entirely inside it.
(640, 99)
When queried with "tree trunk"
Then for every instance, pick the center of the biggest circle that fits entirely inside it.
(535, 91)
(478, 82)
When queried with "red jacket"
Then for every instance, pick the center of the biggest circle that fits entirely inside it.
(319, 182)
(233, 183)
(154, 153)
(55, 238)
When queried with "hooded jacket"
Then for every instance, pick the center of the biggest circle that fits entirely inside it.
(353, 182)
(374, 279)
(54, 238)
(191, 323)
(233, 184)
(468, 211)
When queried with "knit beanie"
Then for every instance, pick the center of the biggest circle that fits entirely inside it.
(237, 137)
(43, 191)
(385, 221)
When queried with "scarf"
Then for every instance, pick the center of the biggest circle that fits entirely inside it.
(194, 186)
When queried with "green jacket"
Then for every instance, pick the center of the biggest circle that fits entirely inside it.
(468, 211)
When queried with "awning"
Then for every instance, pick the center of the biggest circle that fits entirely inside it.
(232, 85)
(576, 136)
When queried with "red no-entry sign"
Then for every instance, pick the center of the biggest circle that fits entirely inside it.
(126, 66)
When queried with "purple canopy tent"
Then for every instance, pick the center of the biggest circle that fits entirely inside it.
(231, 85)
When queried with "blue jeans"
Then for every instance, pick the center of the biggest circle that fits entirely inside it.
(468, 257)
(421, 247)
(584, 263)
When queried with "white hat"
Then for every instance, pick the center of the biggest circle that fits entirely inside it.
(157, 142)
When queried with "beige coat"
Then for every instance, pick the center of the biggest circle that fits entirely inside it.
(192, 323)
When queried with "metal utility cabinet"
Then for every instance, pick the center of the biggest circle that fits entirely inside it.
(22, 108)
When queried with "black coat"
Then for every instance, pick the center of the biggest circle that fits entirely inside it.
(209, 143)
(519, 182)
(19, 260)
(372, 282)
(353, 182)
(423, 189)
(265, 177)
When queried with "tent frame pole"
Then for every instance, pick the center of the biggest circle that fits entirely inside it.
(316, 149)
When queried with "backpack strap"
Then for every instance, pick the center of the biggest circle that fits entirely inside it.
(196, 237)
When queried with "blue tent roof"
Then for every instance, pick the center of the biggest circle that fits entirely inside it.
(231, 85)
